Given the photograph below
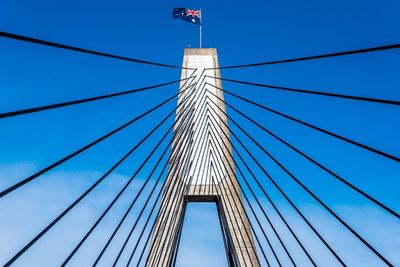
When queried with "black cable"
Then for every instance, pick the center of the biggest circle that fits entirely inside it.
(163, 259)
(82, 149)
(257, 181)
(238, 195)
(360, 98)
(150, 233)
(175, 144)
(234, 217)
(80, 101)
(184, 164)
(235, 236)
(320, 165)
(128, 211)
(172, 260)
(223, 179)
(91, 188)
(133, 203)
(233, 260)
(165, 200)
(174, 216)
(175, 205)
(297, 210)
(141, 212)
(179, 113)
(195, 167)
(176, 235)
(82, 50)
(200, 144)
(344, 53)
(179, 196)
(152, 229)
(200, 152)
(293, 206)
(374, 150)
(126, 186)
(207, 181)
(337, 217)
(71, 206)
(114, 201)
(155, 203)
(148, 237)
(258, 203)
(142, 232)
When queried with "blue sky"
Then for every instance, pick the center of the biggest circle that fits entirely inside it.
(32, 75)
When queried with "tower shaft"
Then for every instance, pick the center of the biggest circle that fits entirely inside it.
(202, 167)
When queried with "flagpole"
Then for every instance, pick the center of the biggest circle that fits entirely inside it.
(201, 22)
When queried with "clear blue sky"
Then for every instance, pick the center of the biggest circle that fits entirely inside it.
(243, 32)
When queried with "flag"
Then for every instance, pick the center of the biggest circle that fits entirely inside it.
(189, 15)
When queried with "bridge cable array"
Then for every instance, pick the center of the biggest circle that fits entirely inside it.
(309, 125)
(344, 181)
(199, 114)
(297, 181)
(50, 167)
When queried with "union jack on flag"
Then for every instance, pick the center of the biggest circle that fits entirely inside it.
(189, 15)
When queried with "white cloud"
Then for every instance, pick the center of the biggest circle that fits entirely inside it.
(371, 223)
(27, 210)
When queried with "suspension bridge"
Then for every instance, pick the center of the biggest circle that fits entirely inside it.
(207, 155)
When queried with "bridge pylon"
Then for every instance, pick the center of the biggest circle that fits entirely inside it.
(201, 167)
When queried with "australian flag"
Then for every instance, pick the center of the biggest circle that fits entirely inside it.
(189, 15)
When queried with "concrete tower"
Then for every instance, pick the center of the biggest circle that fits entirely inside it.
(201, 167)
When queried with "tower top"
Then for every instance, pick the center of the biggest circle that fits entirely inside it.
(201, 51)
(200, 58)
